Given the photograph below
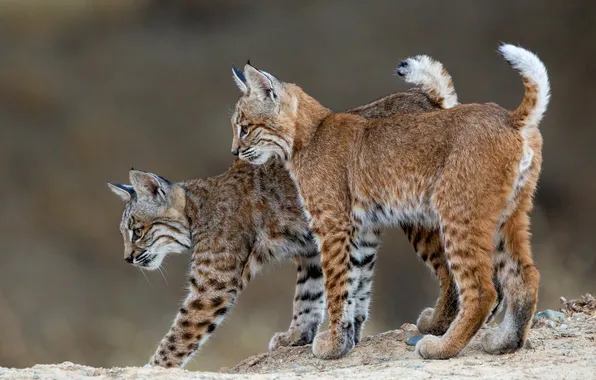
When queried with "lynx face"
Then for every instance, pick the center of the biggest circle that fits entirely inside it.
(264, 117)
(153, 223)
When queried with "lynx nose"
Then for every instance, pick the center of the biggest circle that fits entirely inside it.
(128, 259)
(235, 152)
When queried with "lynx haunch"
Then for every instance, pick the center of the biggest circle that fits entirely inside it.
(469, 171)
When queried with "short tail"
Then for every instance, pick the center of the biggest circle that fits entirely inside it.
(432, 77)
(535, 101)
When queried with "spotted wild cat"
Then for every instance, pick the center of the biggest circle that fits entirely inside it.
(238, 221)
(469, 171)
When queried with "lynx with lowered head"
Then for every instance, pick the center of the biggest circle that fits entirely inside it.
(238, 221)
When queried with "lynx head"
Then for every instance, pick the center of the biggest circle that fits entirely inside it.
(154, 222)
(265, 117)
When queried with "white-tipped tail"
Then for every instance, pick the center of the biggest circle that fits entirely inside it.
(533, 71)
(432, 77)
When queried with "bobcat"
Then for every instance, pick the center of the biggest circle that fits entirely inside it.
(469, 171)
(238, 221)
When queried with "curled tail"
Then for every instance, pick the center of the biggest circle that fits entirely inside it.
(432, 77)
(532, 108)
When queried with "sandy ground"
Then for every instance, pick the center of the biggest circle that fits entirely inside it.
(560, 347)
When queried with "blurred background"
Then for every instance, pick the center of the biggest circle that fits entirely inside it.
(90, 88)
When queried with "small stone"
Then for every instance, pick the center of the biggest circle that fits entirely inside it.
(409, 330)
(549, 314)
(409, 327)
(563, 326)
(412, 341)
(528, 345)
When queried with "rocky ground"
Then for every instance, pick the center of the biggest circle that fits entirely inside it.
(562, 345)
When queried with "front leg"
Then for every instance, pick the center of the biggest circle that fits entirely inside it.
(341, 280)
(309, 304)
(212, 294)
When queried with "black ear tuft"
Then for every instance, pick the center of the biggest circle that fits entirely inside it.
(248, 62)
(132, 168)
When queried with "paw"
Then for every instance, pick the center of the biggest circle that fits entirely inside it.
(432, 347)
(427, 323)
(497, 342)
(293, 337)
(334, 344)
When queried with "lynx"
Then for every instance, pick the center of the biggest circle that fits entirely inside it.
(469, 171)
(238, 221)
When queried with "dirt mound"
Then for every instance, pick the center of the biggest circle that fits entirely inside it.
(550, 350)
(565, 347)
(382, 348)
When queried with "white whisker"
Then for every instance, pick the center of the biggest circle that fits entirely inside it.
(162, 275)
(147, 278)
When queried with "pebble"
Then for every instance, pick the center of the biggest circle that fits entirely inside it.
(549, 314)
(414, 339)
(563, 326)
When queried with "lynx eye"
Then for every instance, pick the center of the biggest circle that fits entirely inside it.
(244, 130)
(137, 233)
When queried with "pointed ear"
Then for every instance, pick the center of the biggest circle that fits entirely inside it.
(149, 184)
(125, 192)
(240, 80)
(266, 85)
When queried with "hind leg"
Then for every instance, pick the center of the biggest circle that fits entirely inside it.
(364, 242)
(519, 278)
(468, 248)
(427, 243)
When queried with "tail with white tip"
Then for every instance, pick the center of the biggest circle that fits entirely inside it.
(535, 101)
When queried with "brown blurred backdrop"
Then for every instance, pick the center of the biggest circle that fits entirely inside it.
(90, 88)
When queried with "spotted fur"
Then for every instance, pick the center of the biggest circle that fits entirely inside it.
(235, 223)
(469, 172)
